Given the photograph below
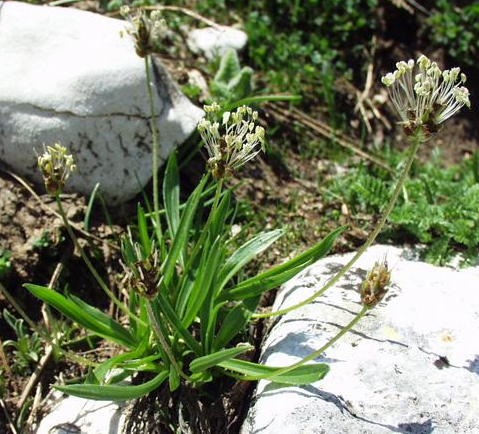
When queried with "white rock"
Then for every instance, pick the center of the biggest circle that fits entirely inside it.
(73, 415)
(67, 76)
(216, 41)
(410, 366)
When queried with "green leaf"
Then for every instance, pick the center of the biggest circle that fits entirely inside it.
(281, 273)
(219, 218)
(259, 284)
(113, 393)
(101, 370)
(202, 287)
(162, 303)
(171, 194)
(91, 201)
(181, 237)
(235, 322)
(229, 67)
(173, 379)
(211, 360)
(241, 86)
(143, 231)
(87, 316)
(245, 253)
(304, 374)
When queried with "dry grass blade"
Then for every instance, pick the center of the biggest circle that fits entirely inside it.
(325, 131)
(35, 377)
(7, 417)
(4, 360)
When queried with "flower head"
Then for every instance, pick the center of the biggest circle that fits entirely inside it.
(56, 166)
(374, 288)
(424, 96)
(142, 270)
(146, 31)
(239, 140)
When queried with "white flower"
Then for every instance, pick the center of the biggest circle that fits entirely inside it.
(56, 166)
(146, 32)
(240, 139)
(424, 96)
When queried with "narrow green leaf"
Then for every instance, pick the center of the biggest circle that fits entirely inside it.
(101, 370)
(204, 280)
(173, 379)
(304, 374)
(282, 273)
(89, 208)
(206, 362)
(219, 219)
(181, 237)
(143, 230)
(245, 253)
(113, 393)
(258, 285)
(235, 322)
(171, 194)
(162, 303)
(104, 318)
(87, 318)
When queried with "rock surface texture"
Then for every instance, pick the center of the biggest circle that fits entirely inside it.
(73, 415)
(216, 41)
(410, 366)
(66, 76)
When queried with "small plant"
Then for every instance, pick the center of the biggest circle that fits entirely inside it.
(188, 304)
(231, 82)
(5, 263)
(438, 207)
(457, 30)
(27, 347)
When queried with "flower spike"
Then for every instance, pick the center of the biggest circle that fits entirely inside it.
(240, 139)
(56, 166)
(146, 31)
(424, 96)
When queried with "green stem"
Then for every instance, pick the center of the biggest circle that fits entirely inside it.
(316, 353)
(164, 344)
(417, 140)
(90, 266)
(154, 132)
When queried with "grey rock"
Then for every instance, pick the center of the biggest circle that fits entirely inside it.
(72, 415)
(410, 366)
(216, 41)
(66, 76)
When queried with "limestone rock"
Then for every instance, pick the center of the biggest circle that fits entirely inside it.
(72, 415)
(66, 76)
(410, 366)
(216, 41)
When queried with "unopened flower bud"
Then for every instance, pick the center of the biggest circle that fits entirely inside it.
(374, 287)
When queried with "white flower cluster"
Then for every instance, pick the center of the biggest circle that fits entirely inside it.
(146, 32)
(239, 141)
(423, 95)
(56, 166)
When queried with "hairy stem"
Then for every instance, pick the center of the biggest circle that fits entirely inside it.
(416, 142)
(314, 354)
(154, 132)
